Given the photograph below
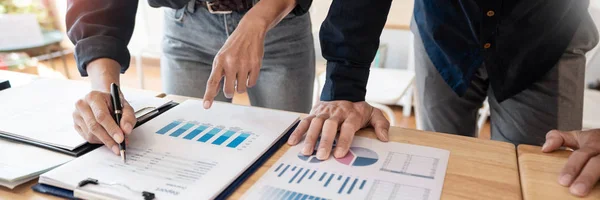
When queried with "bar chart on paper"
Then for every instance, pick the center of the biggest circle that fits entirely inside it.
(298, 176)
(230, 137)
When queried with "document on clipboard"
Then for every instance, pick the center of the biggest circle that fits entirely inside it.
(187, 152)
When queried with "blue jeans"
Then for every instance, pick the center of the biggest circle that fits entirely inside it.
(193, 36)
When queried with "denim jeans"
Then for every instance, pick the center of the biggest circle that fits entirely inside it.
(193, 36)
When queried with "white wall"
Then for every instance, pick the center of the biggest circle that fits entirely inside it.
(593, 69)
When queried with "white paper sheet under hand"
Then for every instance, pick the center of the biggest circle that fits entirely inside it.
(185, 153)
(371, 170)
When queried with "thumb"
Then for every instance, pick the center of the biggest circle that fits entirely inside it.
(381, 125)
(556, 139)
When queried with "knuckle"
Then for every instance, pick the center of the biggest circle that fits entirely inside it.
(344, 141)
(212, 81)
(80, 103)
(348, 126)
(94, 128)
(102, 117)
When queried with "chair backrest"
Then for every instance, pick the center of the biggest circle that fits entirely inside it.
(19, 31)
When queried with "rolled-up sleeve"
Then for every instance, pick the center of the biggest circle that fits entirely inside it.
(349, 41)
(101, 29)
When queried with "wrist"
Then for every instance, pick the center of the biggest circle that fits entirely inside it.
(255, 23)
(102, 72)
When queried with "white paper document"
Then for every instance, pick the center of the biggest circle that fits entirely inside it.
(371, 170)
(185, 153)
(20, 163)
(42, 111)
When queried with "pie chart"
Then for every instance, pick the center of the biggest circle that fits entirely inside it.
(358, 156)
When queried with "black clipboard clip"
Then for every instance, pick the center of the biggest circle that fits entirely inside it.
(83, 183)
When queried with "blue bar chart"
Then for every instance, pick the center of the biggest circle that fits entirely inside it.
(341, 184)
(168, 127)
(231, 137)
(283, 194)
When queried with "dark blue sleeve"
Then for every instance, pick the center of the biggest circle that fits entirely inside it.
(349, 41)
(302, 7)
(101, 29)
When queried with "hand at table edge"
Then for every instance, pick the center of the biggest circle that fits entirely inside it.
(582, 170)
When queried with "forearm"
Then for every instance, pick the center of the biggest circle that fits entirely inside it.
(102, 72)
(266, 14)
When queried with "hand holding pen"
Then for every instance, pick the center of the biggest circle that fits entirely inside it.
(93, 119)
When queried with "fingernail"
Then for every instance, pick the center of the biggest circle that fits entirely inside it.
(118, 138)
(565, 180)
(115, 149)
(545, 146)
(321, 154)
(579, 189)
(339, 152)
(292, 141)
(207, 104)
(307, 150)
(128, 127)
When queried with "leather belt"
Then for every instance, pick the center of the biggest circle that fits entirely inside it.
(226, 6)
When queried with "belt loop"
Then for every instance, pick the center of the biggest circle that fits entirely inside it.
(191, 6)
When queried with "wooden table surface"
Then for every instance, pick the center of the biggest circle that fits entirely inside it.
(539, 174)
(477, 169)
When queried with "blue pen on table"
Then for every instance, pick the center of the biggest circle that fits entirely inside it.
(118, 112)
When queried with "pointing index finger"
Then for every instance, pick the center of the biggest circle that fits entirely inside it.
(212, 85)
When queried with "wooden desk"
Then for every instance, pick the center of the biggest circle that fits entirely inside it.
(477, 169)
(539, 174)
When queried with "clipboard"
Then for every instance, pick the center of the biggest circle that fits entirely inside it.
(83, 149)
(60, 192)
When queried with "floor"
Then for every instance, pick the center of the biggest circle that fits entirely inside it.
(153, 82)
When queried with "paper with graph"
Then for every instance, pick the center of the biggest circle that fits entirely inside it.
(371, 170)
(185, 153)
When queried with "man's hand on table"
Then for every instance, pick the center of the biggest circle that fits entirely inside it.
(93, 118)
(582, 171)
(327, 118)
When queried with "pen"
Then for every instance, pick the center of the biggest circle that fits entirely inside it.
(118, 108)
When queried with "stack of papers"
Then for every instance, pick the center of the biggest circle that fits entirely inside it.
(21, 162)
(185, 153)
(41, 112)
(370, 170)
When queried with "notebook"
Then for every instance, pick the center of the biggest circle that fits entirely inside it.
(185, 153)
(40, 113)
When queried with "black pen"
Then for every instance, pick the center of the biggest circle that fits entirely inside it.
(118, 112)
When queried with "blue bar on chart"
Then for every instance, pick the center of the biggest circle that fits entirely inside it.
(224, 137)
(302, 175)
(168, 127)
(210, 134)
(238, 140)
(195, 132)
(181, 130)
(269, 192)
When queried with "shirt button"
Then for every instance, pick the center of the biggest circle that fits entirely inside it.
(487, 45)
(491, 13)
